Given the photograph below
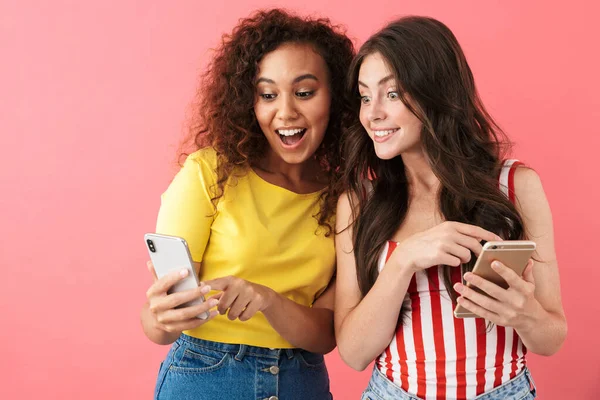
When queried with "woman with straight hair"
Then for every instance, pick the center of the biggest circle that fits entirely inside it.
(427, 180)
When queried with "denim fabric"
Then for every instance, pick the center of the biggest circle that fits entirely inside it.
(520, 387)
(203, 370)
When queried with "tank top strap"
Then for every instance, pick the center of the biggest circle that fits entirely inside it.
(506, 180)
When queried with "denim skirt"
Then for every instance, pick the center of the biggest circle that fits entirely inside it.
(203, 370)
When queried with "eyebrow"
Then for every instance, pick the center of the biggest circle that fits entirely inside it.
(381, 82)
(296, 80)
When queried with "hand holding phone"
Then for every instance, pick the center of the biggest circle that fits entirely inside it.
(514, 254)
(176, 278)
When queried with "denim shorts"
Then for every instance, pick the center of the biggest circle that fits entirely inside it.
(521, 387)
(199, 369)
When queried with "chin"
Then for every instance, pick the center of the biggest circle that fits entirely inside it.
(386, 155)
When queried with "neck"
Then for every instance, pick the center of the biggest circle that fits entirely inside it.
(419, 174)
(273, 164)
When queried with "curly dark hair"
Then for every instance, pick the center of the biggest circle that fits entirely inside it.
(223, 117)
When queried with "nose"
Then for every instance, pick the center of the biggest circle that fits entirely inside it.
(287, 110)
(375, 111)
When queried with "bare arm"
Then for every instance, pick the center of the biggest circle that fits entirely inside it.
(449, 243)
(355, 317)
(309, 328)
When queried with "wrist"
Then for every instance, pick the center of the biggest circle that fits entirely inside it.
(270, 298)
(532, 321)
(405, 267)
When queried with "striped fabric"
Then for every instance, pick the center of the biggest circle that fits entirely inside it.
(434, 355)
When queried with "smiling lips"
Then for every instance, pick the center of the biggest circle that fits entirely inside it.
(381, 135)
(291, 136)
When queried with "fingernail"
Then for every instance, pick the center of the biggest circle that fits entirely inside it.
(205, 289)
(213, 302)
(183, 272)
(495, 265)
(468, 276)
(458, 287)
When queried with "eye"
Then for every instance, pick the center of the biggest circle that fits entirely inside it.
(268, 96)
(365, 99)
(393, 95)
(305, 94)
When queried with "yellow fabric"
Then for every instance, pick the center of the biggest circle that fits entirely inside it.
(260, 232)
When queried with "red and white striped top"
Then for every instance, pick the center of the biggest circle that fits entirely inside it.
(434, 355)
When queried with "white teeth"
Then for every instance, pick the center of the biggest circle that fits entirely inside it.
(289, 132)
(385, 133)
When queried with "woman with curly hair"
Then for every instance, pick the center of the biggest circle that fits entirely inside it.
(440, 185)
(256, 205)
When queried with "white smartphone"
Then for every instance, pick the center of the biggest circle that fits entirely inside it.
(170, 253)
(513, 253)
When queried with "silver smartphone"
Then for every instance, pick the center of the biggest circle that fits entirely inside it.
(170, 253)
(513, 253)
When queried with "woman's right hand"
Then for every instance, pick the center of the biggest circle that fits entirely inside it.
(162, 305)
(449, 243)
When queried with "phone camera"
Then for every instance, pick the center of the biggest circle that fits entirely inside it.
(151, 245)
(494, 247)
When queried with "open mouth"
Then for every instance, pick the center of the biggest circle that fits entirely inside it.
(290, 137)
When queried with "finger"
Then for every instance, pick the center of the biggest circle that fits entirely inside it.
(478, 310)
(150, 267)
(250, 310)
(528, 273)
(478, 298)
(477, 232)
(510, 276)
(176, 299)
(449, 259)
(470, 243)
(183, 314)
(227, 300)
(220, 283)
(463, 253)
(161, 286)
(189, 324)
(238, 306)
(489, 287)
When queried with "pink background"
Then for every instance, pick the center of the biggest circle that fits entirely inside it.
(92, 103)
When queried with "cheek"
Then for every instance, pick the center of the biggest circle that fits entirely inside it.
(362, 116)
(261, 113)
(319, 113)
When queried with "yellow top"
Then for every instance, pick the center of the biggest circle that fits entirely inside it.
(261, 233)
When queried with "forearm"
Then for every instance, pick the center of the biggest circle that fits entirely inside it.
(380, 308)
(308, 328)
(545, 333)
(153, 331)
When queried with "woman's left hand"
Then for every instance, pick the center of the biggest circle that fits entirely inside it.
(514, 307)
(243, 299)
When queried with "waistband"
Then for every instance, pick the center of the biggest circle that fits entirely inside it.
(520, 385)
(240, 350)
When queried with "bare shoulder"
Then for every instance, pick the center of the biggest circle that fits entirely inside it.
(527, 180)
(532, 203)
(344, 212)
(528, 188)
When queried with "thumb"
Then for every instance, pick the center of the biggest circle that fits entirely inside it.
(528, 272)
(150, 267)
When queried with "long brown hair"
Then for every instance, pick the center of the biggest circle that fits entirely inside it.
(223, 116)
(462, 143)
